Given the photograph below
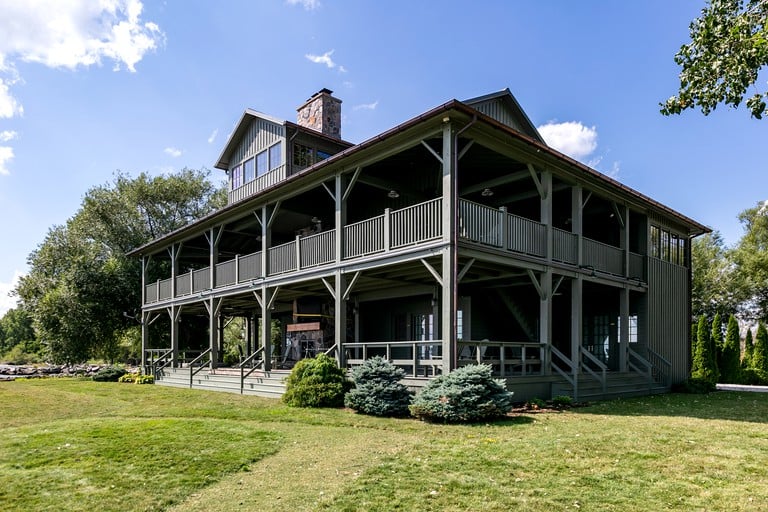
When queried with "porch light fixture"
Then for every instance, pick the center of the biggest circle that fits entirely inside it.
(486, 192)
(314, 220)
(393, 194)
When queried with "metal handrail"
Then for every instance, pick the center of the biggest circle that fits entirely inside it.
(331, 352)
(243, 374)
(647, 365)
(602, 378)
(154, 362)
(568, 376)
(192, 371)
(667, 375)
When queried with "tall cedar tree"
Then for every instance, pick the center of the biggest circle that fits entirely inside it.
(716, 340)
(704, 362)
(729, 367)
(749, 349)
(760, 354)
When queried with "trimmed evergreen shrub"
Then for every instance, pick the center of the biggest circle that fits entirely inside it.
(704, 366)
(749, 348)
(378, 390)
(467, 394)
(316, 382)
(694, 385)
(730, 367)
(109, 374)
(760, 352)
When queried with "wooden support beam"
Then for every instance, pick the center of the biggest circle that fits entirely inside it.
(351, 285)
(465, 149)
(495, 182)
(465, 269)
(333, 196)
(273, 215)
(351, 183)
(258, 298)
(542, 293)
(557, 284)
(272, 297)
(586, 199)
(432, 271)
(434, 153)
(536, 181)
(618, 214)
(329, 287)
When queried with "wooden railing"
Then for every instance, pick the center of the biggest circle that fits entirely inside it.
(592, 366)
(507, 359)
(662, 368)
(226, 273)
(603, 257)
(417, 358)
(364, 237)
(565, 248)
(569, 373)
(282, 258)
(636, 266)
(415, 224)
(482, 224)
(639, 364)
(201, 280)
(526, 236)
(317, 249)
(260, 183)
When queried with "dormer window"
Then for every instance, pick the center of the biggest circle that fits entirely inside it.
(302, 155)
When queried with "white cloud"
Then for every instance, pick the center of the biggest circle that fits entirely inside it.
(572, 138)
(7, 135)
(213, 135)
(6, 155)
(174, 152)
(6, 301)
(76, 33)
(342, 69)
(367, 106)
(9, 107)
(307, 4)
(323, 59)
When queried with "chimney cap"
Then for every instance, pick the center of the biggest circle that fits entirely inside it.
(324, 90)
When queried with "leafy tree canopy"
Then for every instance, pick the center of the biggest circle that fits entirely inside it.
(750, 258)
(80, 281)
(728, 48)
(715, 286)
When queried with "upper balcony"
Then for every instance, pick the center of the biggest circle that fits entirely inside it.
(400, 230)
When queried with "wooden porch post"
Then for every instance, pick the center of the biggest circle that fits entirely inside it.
(144, 316)
(448, 288)
(577, 209)
(577, 297)
(623, 328)
(173, 312)
(340, 318)
(213, 330)
(545, 304)
(266, 326)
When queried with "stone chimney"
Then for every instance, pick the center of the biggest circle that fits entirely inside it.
(322, 113)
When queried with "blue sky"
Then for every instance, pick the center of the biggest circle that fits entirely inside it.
(88, 88)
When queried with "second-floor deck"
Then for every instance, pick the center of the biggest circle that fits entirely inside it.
(399, 230)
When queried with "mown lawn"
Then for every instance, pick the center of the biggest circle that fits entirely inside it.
(79, 445)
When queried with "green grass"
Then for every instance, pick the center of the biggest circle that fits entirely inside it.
(78, 445)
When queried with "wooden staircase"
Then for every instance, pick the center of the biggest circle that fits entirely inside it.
(266, 384)
(617, 385)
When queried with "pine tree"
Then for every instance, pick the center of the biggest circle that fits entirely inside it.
(760, 353)
(729, 369)
(749, 348)
(704, 362)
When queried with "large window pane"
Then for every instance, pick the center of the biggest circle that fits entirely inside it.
(237, 177)
(655, 242)
(249, 170)
(262, 163)
(276, 156)
(665, 245)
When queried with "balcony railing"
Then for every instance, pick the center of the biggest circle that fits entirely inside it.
(262, 182)
(398, 230)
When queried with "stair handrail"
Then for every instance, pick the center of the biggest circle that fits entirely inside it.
(243, 374)
(602, 377)
(568, 376)
(666, 375)
(192, 371)
(331, 352)
(156, 367)
(647, 369)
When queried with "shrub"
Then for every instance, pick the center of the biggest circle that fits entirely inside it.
(137, 378)
(467, 394)
(109, 374)
(128, 378)
(562, 401)
(378, 390)
(753, 377)
(535, 404)
(316, 382)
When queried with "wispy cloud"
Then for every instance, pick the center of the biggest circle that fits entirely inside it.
(6, 155)
(7, 135)
(174, 152)
(322, 59)
(309, 5)
(213, 135)
(9, 107)
(367, 106)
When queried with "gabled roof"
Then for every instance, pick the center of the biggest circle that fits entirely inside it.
(512, 108)
(242, 127)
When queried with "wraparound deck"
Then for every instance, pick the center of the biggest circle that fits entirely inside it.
(400, 229)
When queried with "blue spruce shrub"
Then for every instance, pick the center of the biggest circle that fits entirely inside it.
(467, 394)
(378, 390)
(316, 382)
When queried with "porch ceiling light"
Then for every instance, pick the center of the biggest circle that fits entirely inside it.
(486, 192)
(314, 220)
(393, 194)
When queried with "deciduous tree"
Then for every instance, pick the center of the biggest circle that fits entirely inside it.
(728, 48)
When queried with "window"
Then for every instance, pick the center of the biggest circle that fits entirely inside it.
(655, 240)
(237, 177)
(302, 155)
(683, 260)
(322, 155)
(249, 170)
(673, 254)
(276, 156)
(665, 245)
(262, 163)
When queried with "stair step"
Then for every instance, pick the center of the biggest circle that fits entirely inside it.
(269, 384)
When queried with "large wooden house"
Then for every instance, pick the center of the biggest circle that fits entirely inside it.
(455, 237)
